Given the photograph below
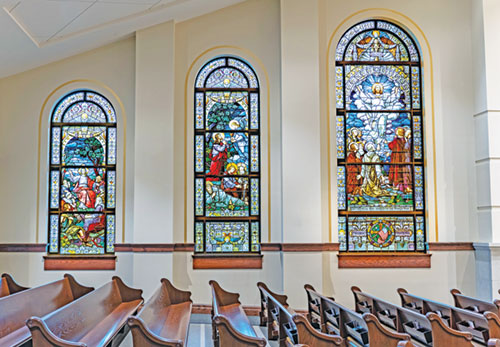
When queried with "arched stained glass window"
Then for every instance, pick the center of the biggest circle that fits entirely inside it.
(380, 156)
(82, 177)
(227, 158)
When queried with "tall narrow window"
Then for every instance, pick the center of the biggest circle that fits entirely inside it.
(227, 158)
(380, 153)
(82, 177)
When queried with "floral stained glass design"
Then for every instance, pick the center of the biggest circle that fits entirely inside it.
(82, 175)
(227, 157)
(380, 171)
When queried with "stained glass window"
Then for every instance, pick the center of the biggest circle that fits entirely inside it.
(227, 158)
(82, 178)
(380, 157)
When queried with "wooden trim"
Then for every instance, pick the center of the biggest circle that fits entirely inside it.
(237, 261)
(392, 260)
(189, 247)
(249, 310)
(79, 262)
(451, 246)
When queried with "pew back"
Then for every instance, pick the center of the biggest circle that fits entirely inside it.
(8, 286)
(473, 304)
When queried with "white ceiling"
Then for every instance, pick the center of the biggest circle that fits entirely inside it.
(37, 32)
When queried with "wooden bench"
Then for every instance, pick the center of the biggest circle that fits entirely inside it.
(8, 286)
(363, 329)
(15, 309)
(473, 304)
(290, 328)
(96, 319)
(230, 325)
(164, 319)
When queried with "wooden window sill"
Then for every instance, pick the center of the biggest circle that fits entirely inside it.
(227, 261)
(386, 260)
(79, 262)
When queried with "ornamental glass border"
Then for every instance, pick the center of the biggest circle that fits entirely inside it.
(227, 178)
(379, 140)
(82, 175)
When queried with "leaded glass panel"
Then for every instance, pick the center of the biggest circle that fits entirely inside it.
(227, 158)
(380, 171)
(83, 175)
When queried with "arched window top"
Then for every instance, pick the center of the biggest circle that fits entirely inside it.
(228, 73)
(84, 107)
(376, 40)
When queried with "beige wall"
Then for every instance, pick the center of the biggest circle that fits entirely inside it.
(287, 43)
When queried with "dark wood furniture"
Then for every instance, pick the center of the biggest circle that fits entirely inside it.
(164, 319)
(8, 286)
(364, 329)
(230, 325)
(96, 319)
(15, 309)
(473, 304)
(290, 328)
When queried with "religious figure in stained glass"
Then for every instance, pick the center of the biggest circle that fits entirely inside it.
(227, 158)
(379, 140)
(82, 175)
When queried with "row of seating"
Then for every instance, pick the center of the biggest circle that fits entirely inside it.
(65, 313)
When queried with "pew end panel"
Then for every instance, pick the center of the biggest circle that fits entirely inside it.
(176, 295)
(380, 336)
(127, 293)
(43, 337)
(442, 335)
(11, 286)
(224, 298)
(228, 336)
(314, 311)
(143, 337)
(311, 337)
(282, 299)
(493, 324)
(78, 290)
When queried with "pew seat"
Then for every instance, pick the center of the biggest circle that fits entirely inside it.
(164, 319)
(230, 324)
(96, 319)
(15, 309)
(8, 286)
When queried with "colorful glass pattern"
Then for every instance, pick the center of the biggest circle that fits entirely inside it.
(420, 233)
(227, 237)
(83, 175)
(227, 157)
(380, 175)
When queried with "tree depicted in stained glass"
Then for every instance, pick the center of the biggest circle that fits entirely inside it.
(380, 170)
(227, 174)
(82, 176)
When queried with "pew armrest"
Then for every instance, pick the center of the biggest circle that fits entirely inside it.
(227, 332)
(176, 295)
(12, 285)
(282, 299)
(77, 289)
(127, 293)
(375, 327)
(304, 327)
(137, 324)
(42, 335)
(441, 329)
(224, 297)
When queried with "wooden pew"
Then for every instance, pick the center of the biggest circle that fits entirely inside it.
(481, 326)
(364, 329)
(473, 304)
(164, 319)
(8, 286)
(15, 309)
(96, 319)
(230, 325)
(290, 328)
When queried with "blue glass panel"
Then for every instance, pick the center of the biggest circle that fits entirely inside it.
(246, 70)
(110, 240)
(419, 188)
(223, 237)
(202, 75)
(226, 78)
(342, 234)
(254, 111)
(420, 233)
(111, 202)
(341, 198)
(199, 200)
(198, 242)
(84, 112)
(64, 104)
(54, 189)
(254, 192)
(56, 146)
(83, 146)
(255, 237)
(112, 146)
(54, 233)
(104, 103)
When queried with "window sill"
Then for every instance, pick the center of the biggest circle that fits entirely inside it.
(387, 260)
(227, 261)
(79, 262)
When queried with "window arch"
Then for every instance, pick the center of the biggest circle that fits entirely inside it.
(82, 177)
(227, 158)
(380, 156)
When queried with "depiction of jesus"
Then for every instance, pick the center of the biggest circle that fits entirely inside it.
(218, 156)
